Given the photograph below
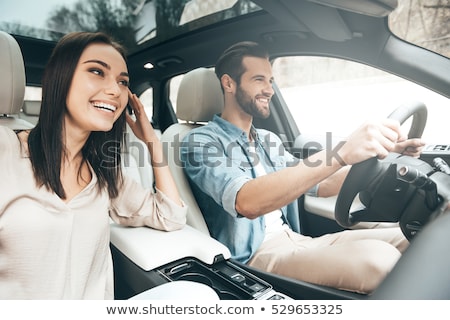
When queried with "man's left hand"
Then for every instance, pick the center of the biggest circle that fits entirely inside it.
(410, 147)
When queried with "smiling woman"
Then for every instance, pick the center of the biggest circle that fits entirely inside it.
(66, 80)
(101, 86)
(55, 231)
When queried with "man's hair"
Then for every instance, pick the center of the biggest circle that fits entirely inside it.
(230, 62)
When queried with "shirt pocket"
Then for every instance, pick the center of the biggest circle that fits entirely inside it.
(242, 162)
(279, 162)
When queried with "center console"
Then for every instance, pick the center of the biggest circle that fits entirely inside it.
(228, 280)
(145, 258)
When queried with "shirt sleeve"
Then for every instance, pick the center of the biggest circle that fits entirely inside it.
(211, 166)
(136, 207)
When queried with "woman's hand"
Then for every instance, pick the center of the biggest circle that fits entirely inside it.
(141, 127)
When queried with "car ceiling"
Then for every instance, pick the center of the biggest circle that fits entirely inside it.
(288, 29)
(202, 47)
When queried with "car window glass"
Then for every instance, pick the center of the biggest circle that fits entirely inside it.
(425, 23)
(132, 22)
(333, 95)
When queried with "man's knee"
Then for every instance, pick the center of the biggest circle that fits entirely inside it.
(377, 262)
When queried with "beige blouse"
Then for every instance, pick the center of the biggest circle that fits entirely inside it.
(50, 249)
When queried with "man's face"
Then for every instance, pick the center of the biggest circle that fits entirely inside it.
(255, 89)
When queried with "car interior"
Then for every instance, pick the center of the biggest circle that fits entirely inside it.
(13, 86)
(355, 30)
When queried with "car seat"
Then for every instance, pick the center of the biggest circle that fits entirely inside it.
(135, 159)
(30, 111)
(12, 83)
(199, 98)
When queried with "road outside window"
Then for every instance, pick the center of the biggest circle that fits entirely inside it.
(334, 95)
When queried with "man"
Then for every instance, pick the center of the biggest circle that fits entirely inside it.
(246, 185)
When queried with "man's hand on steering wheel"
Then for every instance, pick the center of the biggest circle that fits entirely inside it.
(410, 147)
(372, 139)
(365, 175)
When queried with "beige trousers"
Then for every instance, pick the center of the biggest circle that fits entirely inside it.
(353, 260)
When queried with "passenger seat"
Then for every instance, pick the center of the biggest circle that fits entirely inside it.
(136, 160)
(199, 98)
(12, 83)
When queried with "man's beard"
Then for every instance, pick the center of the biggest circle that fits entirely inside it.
(249, 105)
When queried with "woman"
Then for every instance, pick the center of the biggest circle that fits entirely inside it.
(62, 181)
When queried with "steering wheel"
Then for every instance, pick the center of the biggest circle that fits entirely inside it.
(366, 172)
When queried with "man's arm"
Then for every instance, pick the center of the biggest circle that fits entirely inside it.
(332, 185)
(273, 191)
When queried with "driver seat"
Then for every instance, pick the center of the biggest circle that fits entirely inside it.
(12, 84)
(199, 98)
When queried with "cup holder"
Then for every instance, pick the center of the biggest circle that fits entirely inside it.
(196, 278)
(226, 295)
(223, 294)
(229, 282)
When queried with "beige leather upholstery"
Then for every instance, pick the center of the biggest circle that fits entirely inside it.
(12, 83)
(199, 98)
(30, 111)
(136, 160)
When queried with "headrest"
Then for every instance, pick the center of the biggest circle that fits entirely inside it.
(12, 81)
(199, 96)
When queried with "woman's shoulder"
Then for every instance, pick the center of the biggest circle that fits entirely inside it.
(9, 140)
(7, 135)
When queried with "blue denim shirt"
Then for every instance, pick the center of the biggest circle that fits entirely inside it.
(218, 162)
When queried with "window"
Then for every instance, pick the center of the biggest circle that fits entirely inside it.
(425, 23)
(132, 22)
(334, 95)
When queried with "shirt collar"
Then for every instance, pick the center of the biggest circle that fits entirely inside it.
(233, 131)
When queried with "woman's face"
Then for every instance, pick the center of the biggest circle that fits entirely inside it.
(99, 90)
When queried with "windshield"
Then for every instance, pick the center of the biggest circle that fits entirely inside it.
(425, 23)
(150, 21)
